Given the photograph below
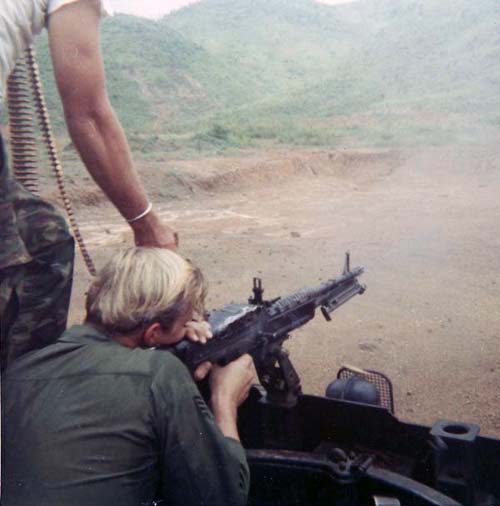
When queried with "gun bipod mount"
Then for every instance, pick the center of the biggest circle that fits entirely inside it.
(280, 380)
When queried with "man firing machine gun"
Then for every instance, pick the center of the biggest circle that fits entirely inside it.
(260, 328)
(105, 415)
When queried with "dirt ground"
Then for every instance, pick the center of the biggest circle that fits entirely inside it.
(424, 224)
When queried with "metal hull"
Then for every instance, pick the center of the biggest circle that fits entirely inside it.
(325, 451)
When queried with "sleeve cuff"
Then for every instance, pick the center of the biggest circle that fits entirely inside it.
(54, 5)
(244, 472)
(236, 446)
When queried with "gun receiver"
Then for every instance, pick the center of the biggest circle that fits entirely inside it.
(260, 328)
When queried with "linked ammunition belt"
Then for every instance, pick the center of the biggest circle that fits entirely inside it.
(25, 100)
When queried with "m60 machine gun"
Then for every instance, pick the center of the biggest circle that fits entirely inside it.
(261, 327)
(343, 451)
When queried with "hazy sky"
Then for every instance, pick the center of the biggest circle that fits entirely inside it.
(157, 8)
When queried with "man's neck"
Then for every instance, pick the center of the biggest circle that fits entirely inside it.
(131, 340)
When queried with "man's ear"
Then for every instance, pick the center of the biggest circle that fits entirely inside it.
(152, 334)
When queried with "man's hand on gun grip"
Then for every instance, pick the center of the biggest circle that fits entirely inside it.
(231, 384)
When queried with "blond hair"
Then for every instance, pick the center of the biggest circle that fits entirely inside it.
(142, 285)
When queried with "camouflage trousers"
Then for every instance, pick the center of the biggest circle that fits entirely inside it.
(36, 270)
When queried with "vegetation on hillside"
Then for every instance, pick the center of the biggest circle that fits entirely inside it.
(234, 73)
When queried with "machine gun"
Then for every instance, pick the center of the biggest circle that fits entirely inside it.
(260, 328)
(306, 450)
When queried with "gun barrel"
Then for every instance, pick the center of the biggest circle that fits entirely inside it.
(329, 289)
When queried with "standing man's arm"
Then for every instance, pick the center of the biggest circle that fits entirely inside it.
(92, 123)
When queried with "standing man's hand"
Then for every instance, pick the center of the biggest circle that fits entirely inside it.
(230, 386)
(92, 123)
(152, 231)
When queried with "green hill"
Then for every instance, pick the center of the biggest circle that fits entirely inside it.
(160, 83)
(411, 69)
(224, 73)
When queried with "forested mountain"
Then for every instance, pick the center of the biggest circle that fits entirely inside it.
(241, 72)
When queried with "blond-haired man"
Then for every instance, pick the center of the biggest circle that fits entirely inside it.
(103, 417)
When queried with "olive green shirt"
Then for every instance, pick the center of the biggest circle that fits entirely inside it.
(89, 422)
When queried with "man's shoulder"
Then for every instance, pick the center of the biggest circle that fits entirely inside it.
(83, 351)
(111, 357)
(165, 363)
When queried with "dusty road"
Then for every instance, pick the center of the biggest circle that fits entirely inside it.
(425, 225)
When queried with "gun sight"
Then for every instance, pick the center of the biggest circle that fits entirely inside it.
(258, 291)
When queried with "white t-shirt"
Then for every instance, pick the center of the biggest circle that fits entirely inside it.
(20, 21)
